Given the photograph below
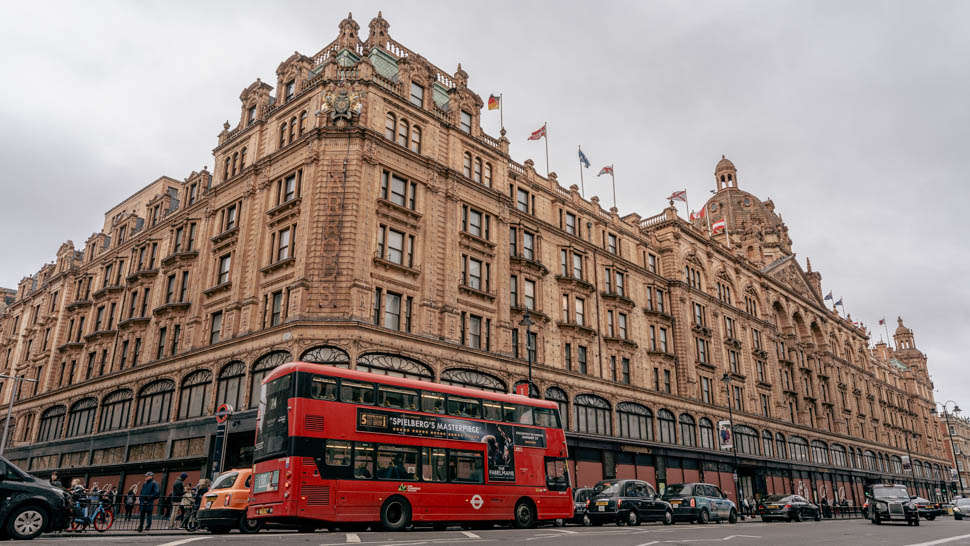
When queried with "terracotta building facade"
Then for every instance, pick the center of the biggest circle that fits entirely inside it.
(358, 216)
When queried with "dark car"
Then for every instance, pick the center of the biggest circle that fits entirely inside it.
(890, 502)
(787, 508)
(31, 506)
(700, 502)
(581, 496)
(927, 509)
(627, 502)
(961, 508)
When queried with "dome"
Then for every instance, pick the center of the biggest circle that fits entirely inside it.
(724, 165)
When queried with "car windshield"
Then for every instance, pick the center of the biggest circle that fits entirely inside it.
(225, 481)
(583, 495)
(609, 489)
(896, 491)
(677, 490)
(602, 486)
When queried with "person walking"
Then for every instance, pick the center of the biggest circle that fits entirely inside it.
(55, 480)
(188, 499)
(178, 490)
(146, 505)
(130, 502)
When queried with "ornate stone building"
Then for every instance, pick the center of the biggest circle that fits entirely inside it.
(359, 216)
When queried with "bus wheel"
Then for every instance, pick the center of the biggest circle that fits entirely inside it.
(525, 514)
(395, 514)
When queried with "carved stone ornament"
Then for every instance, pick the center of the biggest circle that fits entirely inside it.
(342, 104)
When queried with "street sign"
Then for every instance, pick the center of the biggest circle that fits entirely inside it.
(223, 413)
(218, 449)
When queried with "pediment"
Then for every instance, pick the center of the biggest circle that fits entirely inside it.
(787, 271)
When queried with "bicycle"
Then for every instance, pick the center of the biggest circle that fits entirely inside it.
(189, 521)
(101, 519)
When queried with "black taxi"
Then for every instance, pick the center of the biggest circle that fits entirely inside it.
(627, 502)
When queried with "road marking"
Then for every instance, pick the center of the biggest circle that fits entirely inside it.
(649, 543)
(470, 534)
(566, 531)
(940, 541)
(183, 541)
(729, 537)
(353, 538)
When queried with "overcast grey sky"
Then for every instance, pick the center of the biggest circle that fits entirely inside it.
(852, 116)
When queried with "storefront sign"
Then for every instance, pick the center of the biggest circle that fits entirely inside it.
(725, 436)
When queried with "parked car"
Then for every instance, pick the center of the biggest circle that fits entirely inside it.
(961, 508)
(927, 509)
(30, 506)
(787, 508)
(581, 496)
(627, 502)
(700, 502)
(890, 502)
(224, 506)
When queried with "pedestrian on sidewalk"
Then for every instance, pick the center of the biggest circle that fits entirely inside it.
(146, 505)
(178, 490)
(130, 501)
(188, 499)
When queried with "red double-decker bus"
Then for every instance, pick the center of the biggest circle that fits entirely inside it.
(336, 447)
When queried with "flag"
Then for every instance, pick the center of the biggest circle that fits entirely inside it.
(606, 170)
(698, 215)
(494, 102)
(538, 133)
(882, 321)
(678, 196)
(829, 296)
(583, 160)
(839, 303)
(718, 226)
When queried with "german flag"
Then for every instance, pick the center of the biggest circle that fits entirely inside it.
(493, 102)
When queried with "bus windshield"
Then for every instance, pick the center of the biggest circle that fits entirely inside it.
(273, 426)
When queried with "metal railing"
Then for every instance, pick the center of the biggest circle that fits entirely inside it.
(164, 513)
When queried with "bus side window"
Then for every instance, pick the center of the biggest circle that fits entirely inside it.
(546, 417)
(432, 402)
(557, 476)
(397, 462)
(397, 397)
(464, 407)
(493, 410)
(363, 460)
(466, 467)
(516, 413)
(337, 453)
(434, 464)
(356, 392)
(323, 388)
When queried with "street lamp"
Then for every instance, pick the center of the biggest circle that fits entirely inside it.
(949, 431)
(909, 455)
(13, 395)
(726, 379)
(529, 345)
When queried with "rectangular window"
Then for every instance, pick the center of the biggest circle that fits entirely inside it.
(160, 350)
(701, 350)
(765, 405)
(417, 95)
(609, 323)
(663, 340)
(528, 245)
(224, 263)
(738, 398)
(474, 332)
(215, 327)
(577, 266)
(513, 242)
(183, 292)
(581, 359)
(466, 122)
(290, 89)
(653, 338)
(706, 390)
(176, 333)
(612, 243)
(698, 314)
(570, 223)
(667, 381)
(530, 294)
(144, 303)
(660, 301)
(733, 361)
(392, 311)
(651, 263)
(283, 246)
(568, 356)
(522, 200)
(230, 217)
(170, 289)
(729, 327)
(620, 282)
(277, 309)
(625, 370)
(580, 309)
(514, 290)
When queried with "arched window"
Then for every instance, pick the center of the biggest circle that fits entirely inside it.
(331, 356)
(897, 464)
(487, 180)
(403, 128)
(688, 431)
(746, 439)
(665, 426)
(798, 448)
(51, 424)
(230, 387)
(416, 139)
(302, 122)
(767, 441)
(780, 446)
(707, 433)
(635, 421)
(283, 135)
(261, 369)
(559, 395)
(477, 174)
(292, 129)
(115, 409)
(467, 165)
(155, 403)
(820, 452)
(389, 126)
(838, 456)
(80, 420)
(394, 366)
(194, 398)
(474, 380)
(242, 158)
(593, 415)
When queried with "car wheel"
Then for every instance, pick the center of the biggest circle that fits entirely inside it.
(875, 518)
(586, 521)
(668, 517)
(249, 526)
(704, 517)
(26, 523)
(818, 515)
(733, 517)
(796, 515)
(633, 518)
(395, 514)
(525, 515)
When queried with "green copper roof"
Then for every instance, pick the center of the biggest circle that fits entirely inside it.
(898, 365)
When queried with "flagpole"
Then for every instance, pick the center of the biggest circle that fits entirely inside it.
(613, 176)
(545, 133)
(582, 184)
(886, 326)
(501, 109)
